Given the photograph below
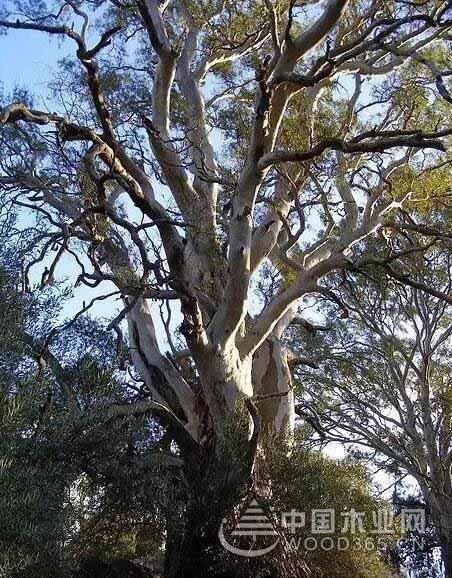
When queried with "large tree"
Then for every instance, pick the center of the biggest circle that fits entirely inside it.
(188, 146)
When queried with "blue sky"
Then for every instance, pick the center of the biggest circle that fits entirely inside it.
(28, 60)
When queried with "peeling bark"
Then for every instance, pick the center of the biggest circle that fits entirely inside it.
(272, 377)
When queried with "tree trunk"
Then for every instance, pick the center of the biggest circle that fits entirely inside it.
(220, 473)
(446, 552)
(272, 380)
(194, 549)
(441, 511)
(445, 538)
(217, 480)
(244, 398)
(184, 548)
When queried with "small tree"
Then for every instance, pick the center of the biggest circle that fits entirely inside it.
(308, 480)
(384, 382)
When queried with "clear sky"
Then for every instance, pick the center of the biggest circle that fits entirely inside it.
(27, 60)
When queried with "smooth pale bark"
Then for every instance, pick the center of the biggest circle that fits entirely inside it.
(272, 379)
(166, 384)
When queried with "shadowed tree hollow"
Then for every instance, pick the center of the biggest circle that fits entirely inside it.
(222, 160)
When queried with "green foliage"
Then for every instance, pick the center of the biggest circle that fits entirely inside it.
(306, 480)
(73, 483)
(32, 478)
(425, 189)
